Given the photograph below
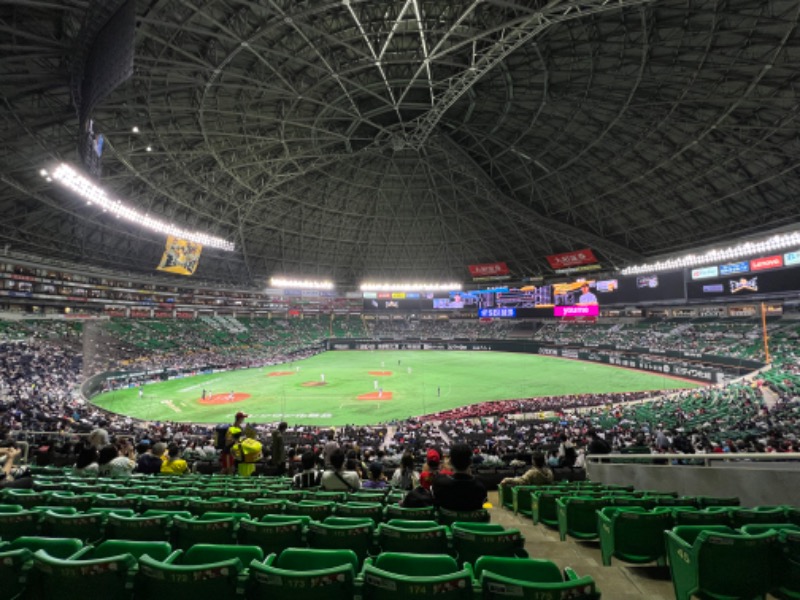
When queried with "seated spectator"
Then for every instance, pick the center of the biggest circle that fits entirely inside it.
(11, 476)
(147, 463)
(336, 478)
(405, 477)
(597, 445)
(459, 491)
(376, 480)
(539, 474)
(431, 469)
(174, 465)
(86, 464)
(113, 464)
(310, 476)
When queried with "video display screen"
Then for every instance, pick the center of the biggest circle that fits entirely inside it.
(741, 285)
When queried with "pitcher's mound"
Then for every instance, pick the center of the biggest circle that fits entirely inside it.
(224, 399)
(280, 373)
(313, 383)
(380, 373)
(376, 396)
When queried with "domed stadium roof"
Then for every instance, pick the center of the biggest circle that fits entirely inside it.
(403, 139)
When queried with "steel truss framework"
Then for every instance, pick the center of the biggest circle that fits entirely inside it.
(357, 139)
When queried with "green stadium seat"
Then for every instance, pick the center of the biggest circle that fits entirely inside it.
(506, 493)
(59, 510)
(69, 579)
(368, 510)
(317, 510)
(217, 504)
(155, 512)
(188, 532)
(325, 496)
(153, 503)
(577, 517)
(25, 522)
(123, 512)
(88, 527)
(634, 535)
(473, 540)
(706, 501)
(10, 508)
(305, 520)
(343, 534)
(448, 517)
(786, 580)
(113, 501)
(304, 574)
(14, 568)
(395, 511)
(369, 496)
(398, 576)
(26, 498)
(530, 579)
(758, 528)
(793, 515)
(143, 528)
(715, 564)
(79, 502)
(543, 507)
(201, 554)
(58, 547)
(166, 579)
(760, 514)
(109, 548)
(272, 538)
(521, 498)
(258, 508)
(431, 539)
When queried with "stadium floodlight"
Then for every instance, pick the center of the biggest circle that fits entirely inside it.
(776, 242)
(94, 194)
(410, 287)
(306, 284)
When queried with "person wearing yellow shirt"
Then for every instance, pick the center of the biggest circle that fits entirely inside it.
(247, 451)
(174, 464)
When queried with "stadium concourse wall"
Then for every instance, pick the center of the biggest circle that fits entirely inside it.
(705, 368)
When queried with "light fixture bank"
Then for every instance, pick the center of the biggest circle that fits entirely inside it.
(71, 179)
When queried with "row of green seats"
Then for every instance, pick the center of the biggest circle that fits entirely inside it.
(711, 561)
(507, 494)
(636, 535)
(132, 570)
(254, 508)
(272, 533)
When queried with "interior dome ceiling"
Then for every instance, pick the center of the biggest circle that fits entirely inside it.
(406, 139)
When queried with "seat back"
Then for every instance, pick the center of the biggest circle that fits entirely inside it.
(471, 544)
(258, 508)
(355, 537)
(304, 574)
(188, 532)
(80, 579)
(636, 536)
(577, 516)
(543, 507)
(746, 516)
(370, 510)
(138, 528)
(448, 517)
(15, 524)
(530, 579)
(84, 526)
(271, 537)
(399, 576)
(158, 579)
(735, 565)
(395, 511)
(56, 547)
(317, 510)
(428, 540)
(109, 548)
(201, 554)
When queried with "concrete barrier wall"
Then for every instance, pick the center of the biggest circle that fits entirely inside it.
(755, 484)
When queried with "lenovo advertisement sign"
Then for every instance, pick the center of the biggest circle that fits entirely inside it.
(566, 260)
(488, 269)
(768, 262)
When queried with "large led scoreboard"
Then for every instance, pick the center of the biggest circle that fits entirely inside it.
(757, 278)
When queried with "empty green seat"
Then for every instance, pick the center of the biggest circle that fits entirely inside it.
(258, 508)
(123, 512)
(521, 499)
(431, 539)
(577, 517)
(706, 501)
(530, 579)
(543, 507)
(633, 534)
(15, 524)
(80, 502)
(188, 532)
(317, 510)
(760, 514)
(113, 501)
(786, 580)
(335, 534)
(201, 554)
(304, 574)
(325, 496)
(716, 564)
(271, 537)
(68, 579)
(58, 547)
(471, 542)
(448, 517)
(14, 568)
(166, 579)
(506, 493)
(151, 528)
(197, 507)
(10, 508)
(211, 516)
(370, 510)
(398, 576)
(85, 526)
(708, 516)
(154, 503)
(395, 511)
(136, 548)
(26, 498)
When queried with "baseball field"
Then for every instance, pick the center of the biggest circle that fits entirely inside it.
(368, 387)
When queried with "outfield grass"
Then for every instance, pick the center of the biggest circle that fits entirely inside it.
(421, 382)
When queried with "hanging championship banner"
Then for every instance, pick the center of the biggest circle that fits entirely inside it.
(180, 256)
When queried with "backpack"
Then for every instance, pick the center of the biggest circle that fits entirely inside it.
(248, 450)
(419, 497)
(220, 435)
